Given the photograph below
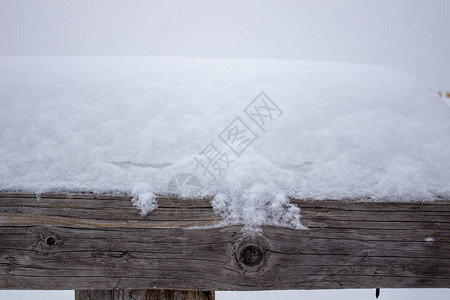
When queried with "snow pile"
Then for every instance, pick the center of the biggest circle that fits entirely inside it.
(133, 124)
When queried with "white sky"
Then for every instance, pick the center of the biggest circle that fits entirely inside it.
(364, 294)
(412, 35)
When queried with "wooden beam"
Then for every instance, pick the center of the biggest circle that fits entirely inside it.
(93, 242)
(143, 295)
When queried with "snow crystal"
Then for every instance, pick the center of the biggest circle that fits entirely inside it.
(134, 125)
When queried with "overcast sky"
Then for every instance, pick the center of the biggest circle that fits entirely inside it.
(412, 35)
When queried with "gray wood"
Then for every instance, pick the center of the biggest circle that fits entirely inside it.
(101, 242)
(143, 295)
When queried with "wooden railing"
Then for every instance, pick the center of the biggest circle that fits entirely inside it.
(92, 242)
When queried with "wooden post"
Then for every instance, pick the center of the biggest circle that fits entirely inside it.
(143, 295)
(100, 242)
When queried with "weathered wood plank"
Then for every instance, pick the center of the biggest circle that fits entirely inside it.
(93, 242)
(143, 295)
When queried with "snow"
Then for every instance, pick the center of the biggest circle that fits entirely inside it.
(447, 100)
(132, 124)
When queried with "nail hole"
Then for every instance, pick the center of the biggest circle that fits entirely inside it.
(51, 241)
(251, 255)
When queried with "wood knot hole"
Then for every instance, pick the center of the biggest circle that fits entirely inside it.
(251, 255)
(51, 241)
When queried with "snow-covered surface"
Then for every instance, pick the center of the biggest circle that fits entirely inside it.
(447, 100)
(131, 124)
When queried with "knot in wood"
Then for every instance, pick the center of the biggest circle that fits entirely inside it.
(250, 254)
(51, 241)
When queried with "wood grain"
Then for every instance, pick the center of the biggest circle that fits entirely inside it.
(143, 295)
(101, 242)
